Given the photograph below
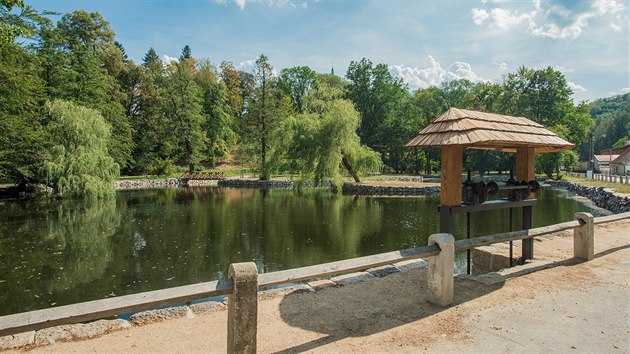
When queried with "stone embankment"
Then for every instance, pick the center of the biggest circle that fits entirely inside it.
(254, 183)
(361, 189)
(600, 196)
(148, 183)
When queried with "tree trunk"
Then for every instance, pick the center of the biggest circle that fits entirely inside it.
(348, 167)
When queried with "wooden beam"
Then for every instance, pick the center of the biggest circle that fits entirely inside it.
(462, 245)
(611, 218)
(97, 309)
(345, 266)
(451, 175)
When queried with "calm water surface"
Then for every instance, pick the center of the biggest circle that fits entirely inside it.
(54, 254)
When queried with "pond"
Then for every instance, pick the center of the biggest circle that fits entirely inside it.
(57, 253)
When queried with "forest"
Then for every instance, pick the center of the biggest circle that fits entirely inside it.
(76, 112)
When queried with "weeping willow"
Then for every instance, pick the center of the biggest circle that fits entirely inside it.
(322, 142)
(78, 164)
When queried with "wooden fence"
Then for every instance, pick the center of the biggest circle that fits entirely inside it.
(243, 282)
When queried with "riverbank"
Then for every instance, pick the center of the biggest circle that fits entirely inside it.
(552, 304)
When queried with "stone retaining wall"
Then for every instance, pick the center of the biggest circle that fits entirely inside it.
(418, 179)
(148, 183)
(600, 196)
(360, 189)
(254, 183)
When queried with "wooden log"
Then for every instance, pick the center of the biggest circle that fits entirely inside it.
(451, 175)
(611, 218)
(97, 309)
(462, 245)
(345, 266)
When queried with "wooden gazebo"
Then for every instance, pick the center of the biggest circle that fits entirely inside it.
(460, 129)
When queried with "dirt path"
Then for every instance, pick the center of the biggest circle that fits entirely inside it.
(552, 305)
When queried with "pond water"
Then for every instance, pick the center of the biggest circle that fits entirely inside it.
(66, 252)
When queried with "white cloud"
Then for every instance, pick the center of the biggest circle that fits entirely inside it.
(625, 90)
(615, 28)
(167, 60)
(540, 22)
(503, 66)
(270, 3)
(432, 73)
(246, 65)
(479, 16)
(563, 69)
(240, 3)
(575, 87)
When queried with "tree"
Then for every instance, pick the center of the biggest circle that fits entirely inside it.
(232, 80)
(21, 96)
(184, 111)
(186, 53)
(151, 58)
(79, 164)
(373, 90)
(323, 139)
(79, 63)
(296, 82)
(15, 24)
(219, 124)
(262, 114)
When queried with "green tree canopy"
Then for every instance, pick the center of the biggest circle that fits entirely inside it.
(79, 164)
(323, 140)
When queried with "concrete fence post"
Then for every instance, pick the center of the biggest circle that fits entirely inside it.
(243, 308)
(441, 270)
(584, 237)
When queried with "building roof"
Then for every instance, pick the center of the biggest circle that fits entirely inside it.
(622, 158)
(606, 158)
(491, 131)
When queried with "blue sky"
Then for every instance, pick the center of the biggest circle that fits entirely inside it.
(424, 42)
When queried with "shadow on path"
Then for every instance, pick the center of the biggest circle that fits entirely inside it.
(368, 307)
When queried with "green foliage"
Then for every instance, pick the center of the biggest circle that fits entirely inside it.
(612, 122)
(21, 95)
(264, 112)
(80, 63)
(389, 115)
(323, 139)
(162, 167)
(78, 164)
(551, 163)
(18, 20)
(296, 82)
(219, 125)
(184, 112)
(232, 80)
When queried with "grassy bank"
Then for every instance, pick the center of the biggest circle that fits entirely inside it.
(617, 187)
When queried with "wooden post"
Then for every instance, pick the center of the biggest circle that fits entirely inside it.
(441, 270)
(583, 237)
(451, 175)
(243, 308)
(525, 160)
(450, 184)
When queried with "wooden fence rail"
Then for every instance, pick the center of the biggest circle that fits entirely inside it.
(241, 302)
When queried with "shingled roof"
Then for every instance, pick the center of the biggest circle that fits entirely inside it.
(491, 131)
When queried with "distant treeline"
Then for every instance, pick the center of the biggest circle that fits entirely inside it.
(193, 113)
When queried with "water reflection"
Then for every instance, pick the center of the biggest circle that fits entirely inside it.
(61, 253)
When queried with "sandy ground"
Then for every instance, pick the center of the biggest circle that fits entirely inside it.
(555, 304)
